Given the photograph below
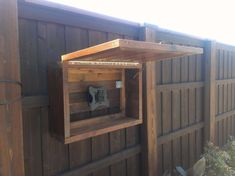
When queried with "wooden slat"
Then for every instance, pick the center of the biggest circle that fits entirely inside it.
(76, 87)
(158, 73)
(35, 101)
(55, 15)
(147, 50)
(225, 115)
(220, 96)
(199, 106)
(223, 46)
(176, 146)
(91, 77)
(29, 60)
(166, 115)
(79, 107)
(210, 76)
(179, 133)
(55, 154)
(102, 64)
(96, 120)
(179, 86)
(11, 128)
(32, 142)
(225, 81)
(184, 104)
(225, 94)
(102, 163)
(192, 110)
(99, 129)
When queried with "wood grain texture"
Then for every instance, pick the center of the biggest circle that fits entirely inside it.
(176, 146)
(11, 130)
(123, 50)
(36, 12)
(102, 163)
(167, 115)
(210, 75)
(100, 144)
(149, 130)
(45, 34)
(79, 152)
(32, 142)
(184, 112)
(55, 154)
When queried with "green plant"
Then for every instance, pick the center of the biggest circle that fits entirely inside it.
(230, 149)
(217, 161)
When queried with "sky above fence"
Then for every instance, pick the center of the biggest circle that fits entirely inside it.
(211, 19)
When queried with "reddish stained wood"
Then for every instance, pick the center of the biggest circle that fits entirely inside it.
(55, 154)
(149, 131)
(154, 51)
(100, 144)
(159, 117)
(104, 162)
(11, 130)
(210, 76)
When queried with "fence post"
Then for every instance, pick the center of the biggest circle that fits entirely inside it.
(210, 91)
(149, 127)
(11, 133)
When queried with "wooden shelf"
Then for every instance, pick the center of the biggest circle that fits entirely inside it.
(96, 126)
(122, 50)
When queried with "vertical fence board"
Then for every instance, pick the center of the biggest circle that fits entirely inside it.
(55, 154)
(32, 142)
(166, 115)
(176, 111)
(192, 109)
(184, 113)
(159, 116)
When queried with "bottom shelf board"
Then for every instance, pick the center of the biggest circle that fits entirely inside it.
(99, 126)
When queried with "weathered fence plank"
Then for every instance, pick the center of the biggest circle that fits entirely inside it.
(11, 133)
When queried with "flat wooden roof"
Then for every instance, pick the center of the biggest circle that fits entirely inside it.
(123, 50)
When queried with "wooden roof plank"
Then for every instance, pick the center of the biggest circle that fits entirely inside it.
(121, 50)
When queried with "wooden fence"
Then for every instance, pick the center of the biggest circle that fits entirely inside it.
(44, 36)
(193, 99)
(224, 93)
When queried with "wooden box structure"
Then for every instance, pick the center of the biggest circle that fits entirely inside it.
(107, 65)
